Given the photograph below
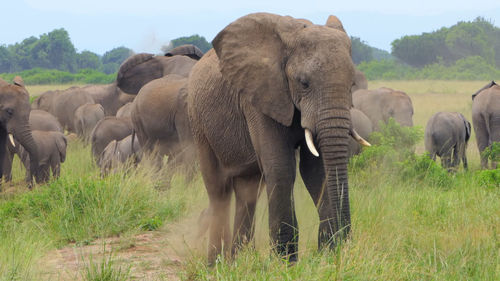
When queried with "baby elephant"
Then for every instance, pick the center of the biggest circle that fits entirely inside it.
(117, 152)
(51, 153)
(446, 136)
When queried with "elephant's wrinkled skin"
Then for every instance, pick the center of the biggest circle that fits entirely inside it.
(268, 80)
(109, 96)
(486, 119)
(446, 135)
(384, 103)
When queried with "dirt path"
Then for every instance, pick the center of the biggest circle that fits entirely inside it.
(155, 255)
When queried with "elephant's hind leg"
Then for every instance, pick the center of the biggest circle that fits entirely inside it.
(246, 190)
(482, 137)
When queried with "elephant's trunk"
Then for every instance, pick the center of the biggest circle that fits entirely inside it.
(333, 130)
(25, 138)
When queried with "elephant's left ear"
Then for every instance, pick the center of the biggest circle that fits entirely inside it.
(252, 57)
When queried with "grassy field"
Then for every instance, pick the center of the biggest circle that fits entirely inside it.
(409, 223)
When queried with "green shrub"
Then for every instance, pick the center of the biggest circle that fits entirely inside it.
(492, 152)
(38, 76)
(423, 169)
(488, 178)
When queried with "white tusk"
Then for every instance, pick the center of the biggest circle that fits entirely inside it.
(11, 138)
(359, 139)
(310, 143)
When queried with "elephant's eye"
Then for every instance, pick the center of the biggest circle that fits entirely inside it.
(304, 83)
(10, 111)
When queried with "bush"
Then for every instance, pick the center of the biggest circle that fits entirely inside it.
(423, 169)
(492, 152)
(39, 76)
(469, 68)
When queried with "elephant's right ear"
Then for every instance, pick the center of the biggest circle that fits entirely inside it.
(252, 58)
(138, 70)
(18, 81)
(334, 22)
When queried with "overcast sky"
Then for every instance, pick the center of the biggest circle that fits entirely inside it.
(146, 25)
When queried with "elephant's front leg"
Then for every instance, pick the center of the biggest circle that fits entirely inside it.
(276, 155)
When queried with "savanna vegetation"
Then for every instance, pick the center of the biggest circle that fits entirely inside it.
(411, 219)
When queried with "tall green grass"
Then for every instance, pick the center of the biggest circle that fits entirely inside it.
(411, 220)
(79, 207)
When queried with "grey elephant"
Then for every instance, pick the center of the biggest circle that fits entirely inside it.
(270, 85)
(51, 153)
(118, 152)
(109, 96)
(160, 118)
(363, 126)
(446, 135)
(63, 104)
(384, 103)
(106, 130)
(14, 123)
(486, 119)
(159, 112)
(139, 69)
(38, 120)
(360, 81)
(85, 119)
(125, 111)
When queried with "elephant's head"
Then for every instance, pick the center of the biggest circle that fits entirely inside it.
(397, 105)
(140, 69)
(291, 70)
(14, 120)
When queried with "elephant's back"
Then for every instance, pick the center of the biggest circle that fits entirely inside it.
(44, 121)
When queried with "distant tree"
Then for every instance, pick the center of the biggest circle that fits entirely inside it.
(448, 45)
(111, 60)
(6, 60)
(197, 40)
(87, 59)
(360, 51)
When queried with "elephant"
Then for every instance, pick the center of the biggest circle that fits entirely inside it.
(139, 69)
(14, 123)
(85, 119)
(446, 135)
(362, 124)
(109, 96)
(51, 152)
(360, 81)
(63, 104)
(44, 121)
(45, 101)
(125, 111)
(159, 116)
(486, 119)
(270, 85)
(118, 152)
(38, 120)
(108, 129)
(382, 104)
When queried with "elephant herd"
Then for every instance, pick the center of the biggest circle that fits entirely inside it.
(270, 86)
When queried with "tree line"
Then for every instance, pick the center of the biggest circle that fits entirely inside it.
(456, 52)
(54, 50)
